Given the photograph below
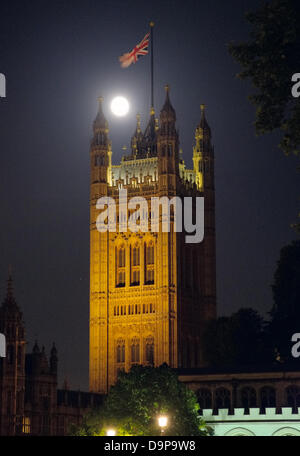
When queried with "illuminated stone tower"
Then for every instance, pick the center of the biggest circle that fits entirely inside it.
(150, 292)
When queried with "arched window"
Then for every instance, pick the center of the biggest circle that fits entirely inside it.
(120, 266)
(10, 354)
(222, 398)
(19, 355)
(135, 350)
(204, 398)
(150, 350)
(149, 263)
(188, 267)
(248, 398)
(267, 397)
(293, 397)
(121, 351)
(195, 270)
(135, 265)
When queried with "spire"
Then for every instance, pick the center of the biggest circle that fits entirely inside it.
(36, 348)
(167, 108)
(149, 137)
(53, 350)
(9, 302)
(203, 128)
(53, 359)
(137, 136)
(100, 127)
(100, 123)
(167, 117)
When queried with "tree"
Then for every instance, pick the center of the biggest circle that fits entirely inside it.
(269, 60)
(285, 313)
(134, 403)
(236, 340)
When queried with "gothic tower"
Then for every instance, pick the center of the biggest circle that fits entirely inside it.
(12, 367)
(150, 292)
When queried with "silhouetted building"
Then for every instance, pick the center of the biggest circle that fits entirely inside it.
(30, 402)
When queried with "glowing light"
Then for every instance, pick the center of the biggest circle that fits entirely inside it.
(162, 421)
(111, 433)
(119, 106)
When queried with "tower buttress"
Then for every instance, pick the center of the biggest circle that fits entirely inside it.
(168, 147)
(100, 154)
(12, 370)
(203, 158)
(100, 151)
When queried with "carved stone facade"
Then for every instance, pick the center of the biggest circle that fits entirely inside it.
(150, 292)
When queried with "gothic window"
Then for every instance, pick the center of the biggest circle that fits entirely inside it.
(170, 150)
(293, 397)
(135, 350)
(120, 266)
(204, 398)
(267, 397)
(195, 270)
(100, 160)
(135, 265)
(149, 263)
(26, 425)
(163, 150)
(150, 350)
(8, 408)
(152, 308)
(19, 355)
(248, 398)
(10, 354)
(20, 401)
(45, 424)
(188, 268)
(120, 351)
(222, 398)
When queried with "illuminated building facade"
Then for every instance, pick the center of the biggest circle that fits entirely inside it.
(150, 292)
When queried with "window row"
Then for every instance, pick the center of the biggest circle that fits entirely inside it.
(248, 397)
(134, 309)
(135, 351)
(135, 265)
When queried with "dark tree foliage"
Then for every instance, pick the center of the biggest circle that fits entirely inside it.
(269, 60)
(238, 340)
(135, 402)
(285, 314)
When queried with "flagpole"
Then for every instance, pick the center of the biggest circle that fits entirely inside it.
(152, 84)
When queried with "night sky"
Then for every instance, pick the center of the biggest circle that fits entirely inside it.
(58, 57)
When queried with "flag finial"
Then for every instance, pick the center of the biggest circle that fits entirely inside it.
(151, 24)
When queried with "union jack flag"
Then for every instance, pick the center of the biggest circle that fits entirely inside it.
(132, 57)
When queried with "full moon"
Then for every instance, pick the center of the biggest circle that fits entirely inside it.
(119, 106)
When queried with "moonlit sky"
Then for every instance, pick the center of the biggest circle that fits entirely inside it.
(58, 57)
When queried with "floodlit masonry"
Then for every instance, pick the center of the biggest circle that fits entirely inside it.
(151, 292)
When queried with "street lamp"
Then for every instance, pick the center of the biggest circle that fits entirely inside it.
(110, 432)
(162, 422)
